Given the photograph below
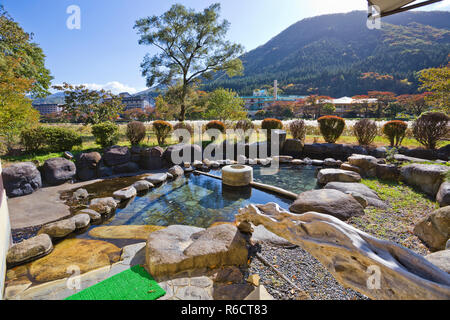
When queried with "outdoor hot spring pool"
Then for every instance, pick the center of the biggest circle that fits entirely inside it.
(199, 200)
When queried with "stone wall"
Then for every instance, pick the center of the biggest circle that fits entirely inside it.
(5, 234)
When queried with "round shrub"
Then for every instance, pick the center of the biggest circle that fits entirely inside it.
(243, 126)
(395, 131)
(162, 129)
(430, 127)
(135, 132)
(216, 124)
(365, 131)
(331, 127)
(106, 134)
(185, 126)
(270, 124)
(298, 130)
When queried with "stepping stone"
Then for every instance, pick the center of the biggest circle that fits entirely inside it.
(124, 232)
(176, 171)
(30, 249)
(59, 229)
(156, 178)
(125, 193)
(103, 205)
(142, 185)
(94, 215)
(81, 220)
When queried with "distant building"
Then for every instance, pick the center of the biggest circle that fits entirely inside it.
(46, 108)
(133, 102)
(346, 104)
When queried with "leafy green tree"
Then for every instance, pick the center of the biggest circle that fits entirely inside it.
(192, 46)
(225, 104)
(90, 106)
(437, 81)
(16, 43)
(328, 108)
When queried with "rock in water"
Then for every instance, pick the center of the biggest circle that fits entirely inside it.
(328, 201)
(125, 193)
(84, 254)
(156, 178)
(351, 255)
(103, 205)
(59, 229)
(179, 248)
(142, 185)
(29, 249)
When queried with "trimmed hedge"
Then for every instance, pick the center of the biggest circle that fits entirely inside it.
(56, 139)
(365, 131)
(430, 127)
(216, 124)
(106, 134)
(270, 124)
(331, 127)
(395, 131)
(135, 132)
(162, 129)
(298, 130)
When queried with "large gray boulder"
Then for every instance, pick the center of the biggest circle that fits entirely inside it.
(371, 196)
(116, 155)
(176, 171)
(128, 167)
(292, 147)
(331, 150)
(387, 172)
(179, 248)
(443, 195)
(434, 229)
(29, 249)
(366, 163)
(125, 193)
(379, 269)
(21, 179)
(151, 158)
(188, 152)
(87, 165)
(440, 259)
(329, 175)
(328, 201)
(156, 178)
(58, 170)
(427, 177)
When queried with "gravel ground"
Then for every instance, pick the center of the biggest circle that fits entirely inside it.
(303, 270)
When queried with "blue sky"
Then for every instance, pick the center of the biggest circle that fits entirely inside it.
(105, 52)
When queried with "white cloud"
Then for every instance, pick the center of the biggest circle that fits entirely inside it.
(114, 86)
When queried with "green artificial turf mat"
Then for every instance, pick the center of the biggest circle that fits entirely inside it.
(132, 284)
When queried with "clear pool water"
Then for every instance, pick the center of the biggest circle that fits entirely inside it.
(195, 200)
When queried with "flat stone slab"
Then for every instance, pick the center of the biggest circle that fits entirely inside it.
(41, 207)
(427, 177)
(370, 195)
(125, 193)
(84, 254)
(124, 232)
(328, 201)
(330, 175)
(178, 248)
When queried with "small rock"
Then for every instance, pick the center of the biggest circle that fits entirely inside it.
(245, 227)
(350, 167)
(330, 162)
(103, 205)
(156, 178)
(81, 220)
(93, 215)
(68, 155)
(339, 175)
(317, 162)
(80, 194)
(176, 171)
(297, 162)
(125, 193)
(443, 195)
(59, 229)
(142, 185)
(253, 279)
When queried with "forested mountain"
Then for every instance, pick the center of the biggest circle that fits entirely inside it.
(338, 55)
